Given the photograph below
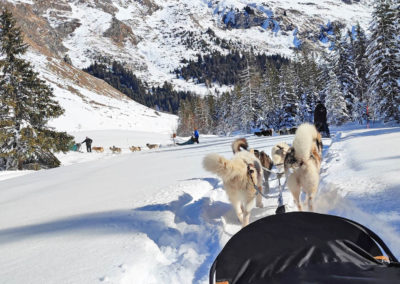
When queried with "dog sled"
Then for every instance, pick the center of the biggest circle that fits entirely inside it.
(305, 247)
(76, 147)
(188, 142)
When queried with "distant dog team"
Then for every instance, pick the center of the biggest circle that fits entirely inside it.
(118, 150)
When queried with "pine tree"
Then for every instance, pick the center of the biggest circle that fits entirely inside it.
(335, 102)
(288, 97)
(306, 90)
(227, 113)
(26, 105)
(361, 70)
(345, 69)
(274, 104)
(248, 92)
(382, 52)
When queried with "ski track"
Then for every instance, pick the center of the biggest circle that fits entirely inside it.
(203, 223)
(203, 220)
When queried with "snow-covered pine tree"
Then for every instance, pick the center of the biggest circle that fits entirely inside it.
(361, 69)
(272, 108)
(249, 89)
(382, 52)
(222, 112)
(345, 69)
(226, 113)
(335, 102)
(264, 100)
(288, 96)
(306, 71)
(323, 77)
(396, 8)
(26, 105)
(301, 90)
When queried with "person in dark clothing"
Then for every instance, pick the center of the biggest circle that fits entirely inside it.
(196, 136)
(320, 120)
(88, 142)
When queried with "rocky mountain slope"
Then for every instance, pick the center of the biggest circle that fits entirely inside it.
(153, 36)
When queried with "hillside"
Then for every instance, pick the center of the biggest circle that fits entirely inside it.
(89, 103)
(153, 36)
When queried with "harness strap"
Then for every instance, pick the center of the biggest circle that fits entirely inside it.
(258, 191)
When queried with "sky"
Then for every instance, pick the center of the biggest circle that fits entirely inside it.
(157, 216)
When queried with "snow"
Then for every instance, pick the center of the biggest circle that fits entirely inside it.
(86, 109)
(156, 216)
(21, 1)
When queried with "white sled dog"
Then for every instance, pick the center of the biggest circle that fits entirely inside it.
(239, 175)
(304, 158)
(278, 154)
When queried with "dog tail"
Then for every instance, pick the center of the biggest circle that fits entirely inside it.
(239, 143)
(216, 164)
(305, 140)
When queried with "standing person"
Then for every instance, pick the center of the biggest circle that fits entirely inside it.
(320, 120)
(88, 142)
(196, 136)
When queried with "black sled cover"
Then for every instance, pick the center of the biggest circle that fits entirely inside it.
(304, 247)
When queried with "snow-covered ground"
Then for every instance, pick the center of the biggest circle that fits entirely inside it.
(156, 216)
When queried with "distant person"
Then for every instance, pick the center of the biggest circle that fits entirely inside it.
(196, 135)
(320, 120)
(88, 142)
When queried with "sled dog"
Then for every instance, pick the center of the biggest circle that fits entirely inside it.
(278, 154)
(304, 159)
(239, 175)
(267, 164)
(267, 132)
(135, 148)
(115, 150)
(98, 149)
(265, 160)
(152, 146)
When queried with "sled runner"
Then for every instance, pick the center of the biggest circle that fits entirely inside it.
(305, 247)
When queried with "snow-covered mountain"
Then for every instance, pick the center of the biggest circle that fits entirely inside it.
(153, 36)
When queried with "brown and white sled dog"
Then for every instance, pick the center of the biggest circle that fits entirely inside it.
(304, 159)
(135, 148)
(152, 146)
(265, 160)
(239, 175)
